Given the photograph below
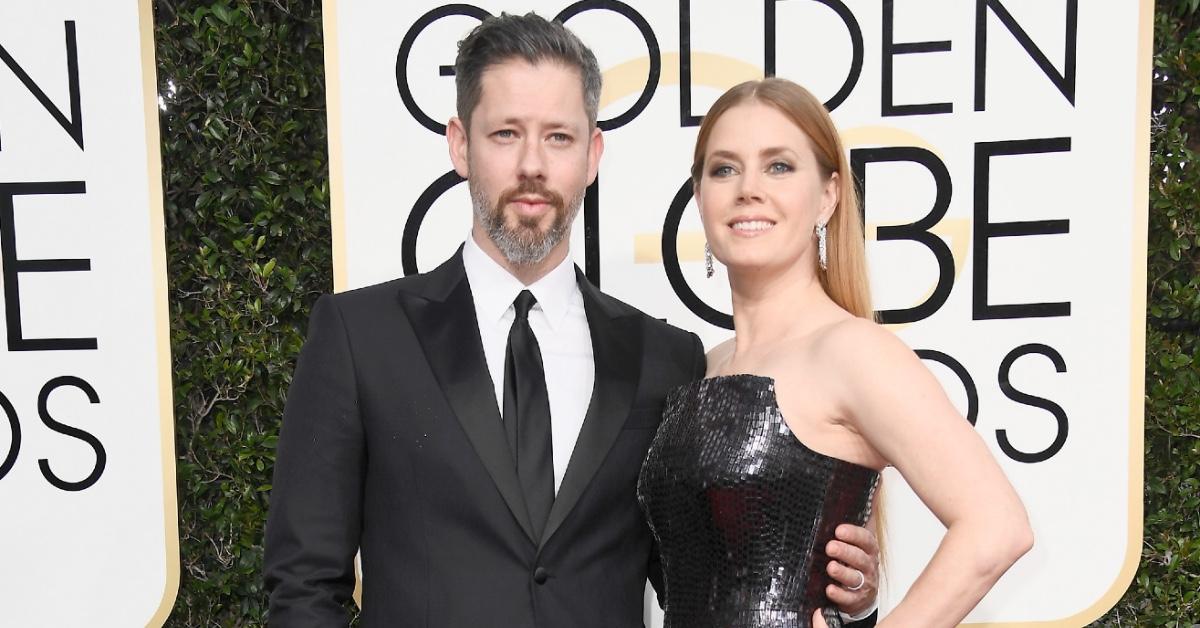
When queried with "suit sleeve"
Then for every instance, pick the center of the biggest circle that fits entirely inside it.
(866, 622)
(698, 366)
(699, 359)
(654, 573)
(313, 527)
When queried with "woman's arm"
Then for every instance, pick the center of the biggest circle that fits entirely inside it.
(895, 403)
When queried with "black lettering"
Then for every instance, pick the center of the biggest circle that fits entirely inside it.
(652, 52)
(670, 255)
(983, 230)
(405, 51)
(73, 125)
(591, 232)
(769, 32)
(890, 50)
(408, 241)
(686, 118)
(1064, 81)
(13, 267)
(1060, 416)
(856, 42)
(917, 231)
(14, 428)
(61, 428)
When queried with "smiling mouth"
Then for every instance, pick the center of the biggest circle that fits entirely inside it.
(751, 227)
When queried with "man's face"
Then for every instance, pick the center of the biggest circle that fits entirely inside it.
(528, 157)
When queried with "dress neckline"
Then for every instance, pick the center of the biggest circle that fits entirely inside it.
(774, 403)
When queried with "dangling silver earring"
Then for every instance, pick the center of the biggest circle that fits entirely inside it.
(708, 262)
(822, 254)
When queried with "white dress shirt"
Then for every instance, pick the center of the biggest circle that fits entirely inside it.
(560, 324)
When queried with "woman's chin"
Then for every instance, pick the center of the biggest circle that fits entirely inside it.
(758, 265)
(753, 265)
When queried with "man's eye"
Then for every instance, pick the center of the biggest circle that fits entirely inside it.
(505, 134)
(560, 138)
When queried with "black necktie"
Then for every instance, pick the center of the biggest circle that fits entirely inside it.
(527, 414)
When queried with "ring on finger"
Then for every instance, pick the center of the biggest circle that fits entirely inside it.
(862, 579)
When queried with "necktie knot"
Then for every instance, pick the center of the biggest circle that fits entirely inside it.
(523, 303)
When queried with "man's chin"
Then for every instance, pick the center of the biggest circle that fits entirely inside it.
(527, 241)
(527, 246)
(529, 232)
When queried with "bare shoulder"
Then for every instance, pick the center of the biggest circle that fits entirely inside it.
(719, 355)
(880, 386)
(861, 346)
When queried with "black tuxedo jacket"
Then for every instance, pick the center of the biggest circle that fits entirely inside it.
(392, 441)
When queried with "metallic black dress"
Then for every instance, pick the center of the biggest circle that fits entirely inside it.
(742, 510)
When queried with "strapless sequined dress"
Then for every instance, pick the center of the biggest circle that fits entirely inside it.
(742, 510)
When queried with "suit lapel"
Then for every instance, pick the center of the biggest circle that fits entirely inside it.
(616, 350)
(442, 314)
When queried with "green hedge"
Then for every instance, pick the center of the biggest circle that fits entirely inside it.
(1166, 591)
(247, 201)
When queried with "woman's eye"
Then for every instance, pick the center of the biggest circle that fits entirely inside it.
(721, 171)
(780, 167)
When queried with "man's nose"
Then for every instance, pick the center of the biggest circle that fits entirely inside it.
(532, 162)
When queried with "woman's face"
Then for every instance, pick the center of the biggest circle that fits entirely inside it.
(762, 191)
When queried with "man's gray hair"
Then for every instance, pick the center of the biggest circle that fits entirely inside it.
(529, 37)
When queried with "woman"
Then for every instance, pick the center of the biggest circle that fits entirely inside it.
(809, 401)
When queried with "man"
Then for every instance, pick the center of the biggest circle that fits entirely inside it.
(478, 430)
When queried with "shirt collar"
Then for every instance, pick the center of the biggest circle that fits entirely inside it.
(494, 288)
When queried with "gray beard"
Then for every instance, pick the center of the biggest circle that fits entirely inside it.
(523, 245)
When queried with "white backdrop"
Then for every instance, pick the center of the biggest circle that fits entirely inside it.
(1004, 147)
(88, 531)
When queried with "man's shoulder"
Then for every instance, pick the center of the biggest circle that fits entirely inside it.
(652, 324)
(432, 283)
(376, 299)
(375, 294)
(435, 283)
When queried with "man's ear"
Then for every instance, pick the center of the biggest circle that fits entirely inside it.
(829, 198)
(456, 138)
(595, 151)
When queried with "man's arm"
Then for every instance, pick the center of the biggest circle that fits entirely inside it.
(315, 515)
